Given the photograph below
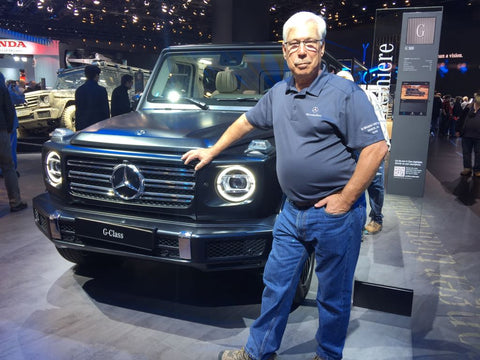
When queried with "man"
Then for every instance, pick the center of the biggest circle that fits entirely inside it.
(91, 100)
(376, 189)
(319, 120)
(120, 99)
(469, 130)
(7, 118)
(436, 110)
(17, 96)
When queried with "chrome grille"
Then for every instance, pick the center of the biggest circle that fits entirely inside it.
(30, 102)
(166, 184)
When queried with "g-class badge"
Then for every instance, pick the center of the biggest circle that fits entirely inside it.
(127, 181)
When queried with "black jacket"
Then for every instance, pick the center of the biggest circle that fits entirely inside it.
(7, 110)
(120, 101)
(469, 123)
(91, 103)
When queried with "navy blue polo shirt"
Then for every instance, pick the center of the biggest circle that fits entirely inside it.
(316, 131)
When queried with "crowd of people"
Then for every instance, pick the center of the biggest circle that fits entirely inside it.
(446, 112)
(455, 117)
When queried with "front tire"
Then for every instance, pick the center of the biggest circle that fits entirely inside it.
(68, 117)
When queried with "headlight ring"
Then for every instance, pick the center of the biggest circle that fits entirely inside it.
(53, 169)
(235, 183)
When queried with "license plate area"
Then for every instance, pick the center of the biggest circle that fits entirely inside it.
(113, 233)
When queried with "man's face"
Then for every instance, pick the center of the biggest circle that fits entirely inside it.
(303, 52)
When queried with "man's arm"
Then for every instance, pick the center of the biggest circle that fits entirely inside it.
(237, 130)
(106, 109)
(367, 166)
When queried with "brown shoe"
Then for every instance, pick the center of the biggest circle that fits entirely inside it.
(477, 174)
(316, 357)
(373, 227)
(466, 172)
(238, 355)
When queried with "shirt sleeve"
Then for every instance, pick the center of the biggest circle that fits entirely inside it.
(362, 127)
(260, 116)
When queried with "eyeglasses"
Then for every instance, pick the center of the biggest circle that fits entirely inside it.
(310, 45)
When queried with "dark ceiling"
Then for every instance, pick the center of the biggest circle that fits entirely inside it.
(147, 23)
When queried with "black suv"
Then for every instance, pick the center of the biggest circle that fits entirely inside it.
(120, 187)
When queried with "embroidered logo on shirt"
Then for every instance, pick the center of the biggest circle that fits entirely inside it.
(314, 112)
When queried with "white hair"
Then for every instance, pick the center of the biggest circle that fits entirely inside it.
(302, 17)
(346, 75)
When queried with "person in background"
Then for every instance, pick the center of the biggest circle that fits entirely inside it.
(469, 129)
(32, 86)
(7, 115)
(465, 101)
(319, 120)
(376, 189)
(446, 116)
(91, 100)
(456, 113)
(18, 97)
(436, 110)
(121, 103)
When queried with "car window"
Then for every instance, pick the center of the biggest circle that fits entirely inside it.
(70, 80)
(216, 77)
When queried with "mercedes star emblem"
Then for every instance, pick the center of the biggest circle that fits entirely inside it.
(127, 181)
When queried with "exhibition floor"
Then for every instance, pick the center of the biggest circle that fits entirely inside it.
(51, 309)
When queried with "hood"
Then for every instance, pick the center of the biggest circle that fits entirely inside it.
(160, 130)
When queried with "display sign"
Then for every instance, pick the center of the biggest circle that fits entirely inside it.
(21, 47)
(418, 53)
(414, 98)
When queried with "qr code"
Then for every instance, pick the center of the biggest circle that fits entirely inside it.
(399, 171)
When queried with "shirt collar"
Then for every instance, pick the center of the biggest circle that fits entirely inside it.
(315, 87)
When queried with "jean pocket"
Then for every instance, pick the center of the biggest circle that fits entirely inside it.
(337, 216)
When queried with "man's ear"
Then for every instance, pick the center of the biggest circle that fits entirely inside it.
(284, 50)
(322, 49)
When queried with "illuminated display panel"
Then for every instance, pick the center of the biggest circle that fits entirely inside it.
(414, 98)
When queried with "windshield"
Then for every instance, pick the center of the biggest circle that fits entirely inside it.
(110, 78)
(217, 76)
(70, 80)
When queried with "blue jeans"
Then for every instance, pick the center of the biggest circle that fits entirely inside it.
(376, 194)
(469, 145)
(336, 241)
(8, 169)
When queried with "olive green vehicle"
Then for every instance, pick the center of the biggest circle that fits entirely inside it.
(45, 110)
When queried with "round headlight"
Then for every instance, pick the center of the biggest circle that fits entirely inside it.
(53, 169)
(45, 100)
(235, 183)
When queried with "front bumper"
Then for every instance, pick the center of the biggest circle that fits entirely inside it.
(206, 246)
(38, 118)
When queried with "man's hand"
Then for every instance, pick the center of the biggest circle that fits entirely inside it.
(334, 204)
(203, 155)
(238, 129)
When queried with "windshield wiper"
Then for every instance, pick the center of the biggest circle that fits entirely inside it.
(239, 99)
(198, 103)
